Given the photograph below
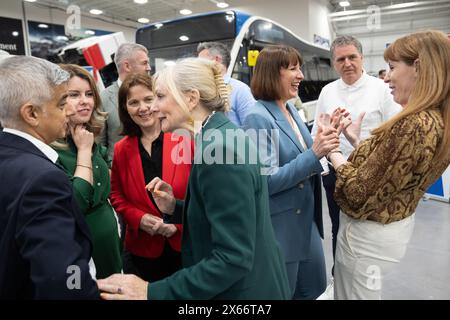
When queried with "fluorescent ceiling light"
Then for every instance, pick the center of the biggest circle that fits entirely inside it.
(403, 5)
(344, 3)
(89, 32)
(140, 1)
(346, 13)
(95, 11)
(43, 25)
(222, 5)
(185, 12)
(143, 20)
(15, 33)
(184, 38)
(30, 0)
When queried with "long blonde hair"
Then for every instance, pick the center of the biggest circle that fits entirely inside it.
(432, 88)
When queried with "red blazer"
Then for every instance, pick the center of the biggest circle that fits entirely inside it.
(130, 198)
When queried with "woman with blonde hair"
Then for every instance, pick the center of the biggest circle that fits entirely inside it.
(87, 164)
(380, 186)
(229, 249)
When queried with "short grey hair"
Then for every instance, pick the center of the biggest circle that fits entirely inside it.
(125, 51)
(346, 41)
(216, 48)
(26, 80)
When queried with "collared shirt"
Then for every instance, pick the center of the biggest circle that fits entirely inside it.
(152, 164)
(367, 94)
(43, 147)
(241, 100)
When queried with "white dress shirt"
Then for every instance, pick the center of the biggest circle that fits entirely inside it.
(367, 94)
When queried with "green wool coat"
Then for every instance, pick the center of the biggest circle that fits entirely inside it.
(229, 249)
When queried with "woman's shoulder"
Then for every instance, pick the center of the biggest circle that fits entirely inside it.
(425, 119)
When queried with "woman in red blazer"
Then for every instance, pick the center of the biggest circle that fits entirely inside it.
(144, 153)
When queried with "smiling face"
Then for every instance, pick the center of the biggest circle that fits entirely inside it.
(290, 79)
(139, 102)
(167, 110)
(402, 80)
(81, 98)
(348, 63)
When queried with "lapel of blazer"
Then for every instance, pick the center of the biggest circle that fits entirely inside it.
(133, 157)
(282, 122)
(301, 126)
(168, 166)
(26, 146)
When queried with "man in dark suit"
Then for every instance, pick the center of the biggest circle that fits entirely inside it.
(45, 247)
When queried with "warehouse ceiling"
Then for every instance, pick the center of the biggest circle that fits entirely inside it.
(127, 12)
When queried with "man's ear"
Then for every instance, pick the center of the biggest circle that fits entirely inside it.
(127, 66)
(29, 114)
(193, 98)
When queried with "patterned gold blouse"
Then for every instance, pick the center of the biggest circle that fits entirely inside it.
(386, 176)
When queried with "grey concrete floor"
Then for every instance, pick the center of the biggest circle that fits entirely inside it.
(424, 272)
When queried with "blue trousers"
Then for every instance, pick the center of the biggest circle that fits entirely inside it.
(307, 278)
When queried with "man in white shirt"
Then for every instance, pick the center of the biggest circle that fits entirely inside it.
(45, 245)
(367, 98)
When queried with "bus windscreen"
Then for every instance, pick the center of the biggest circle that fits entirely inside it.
(184, 31)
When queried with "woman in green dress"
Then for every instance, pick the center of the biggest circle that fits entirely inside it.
(87, 164)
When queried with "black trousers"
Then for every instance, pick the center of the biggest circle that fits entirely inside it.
(154, 269)
(329, 184)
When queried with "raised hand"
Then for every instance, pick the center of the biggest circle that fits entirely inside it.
(162, 194)
(326, 139)
(352, 130)
(83, 139)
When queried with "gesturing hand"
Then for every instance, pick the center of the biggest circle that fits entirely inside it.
(83, 139)
(162, 194)
(352, 130)
(123, 287)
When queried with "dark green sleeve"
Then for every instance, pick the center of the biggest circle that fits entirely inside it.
(177, 216)
(83, 192)
(227, 193)
(105, 155)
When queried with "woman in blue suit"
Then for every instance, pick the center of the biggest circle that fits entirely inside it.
(292, 160)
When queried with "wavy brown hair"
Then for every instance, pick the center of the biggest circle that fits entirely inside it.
(97, 121)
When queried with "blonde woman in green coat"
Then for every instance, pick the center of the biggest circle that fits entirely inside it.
(228, 249)
(87, 165)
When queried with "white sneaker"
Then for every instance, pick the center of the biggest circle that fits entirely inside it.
(328, 294)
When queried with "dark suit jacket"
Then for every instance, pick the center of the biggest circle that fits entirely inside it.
(294, 185)
(229, 249)
(131, 200)
(44, 241)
